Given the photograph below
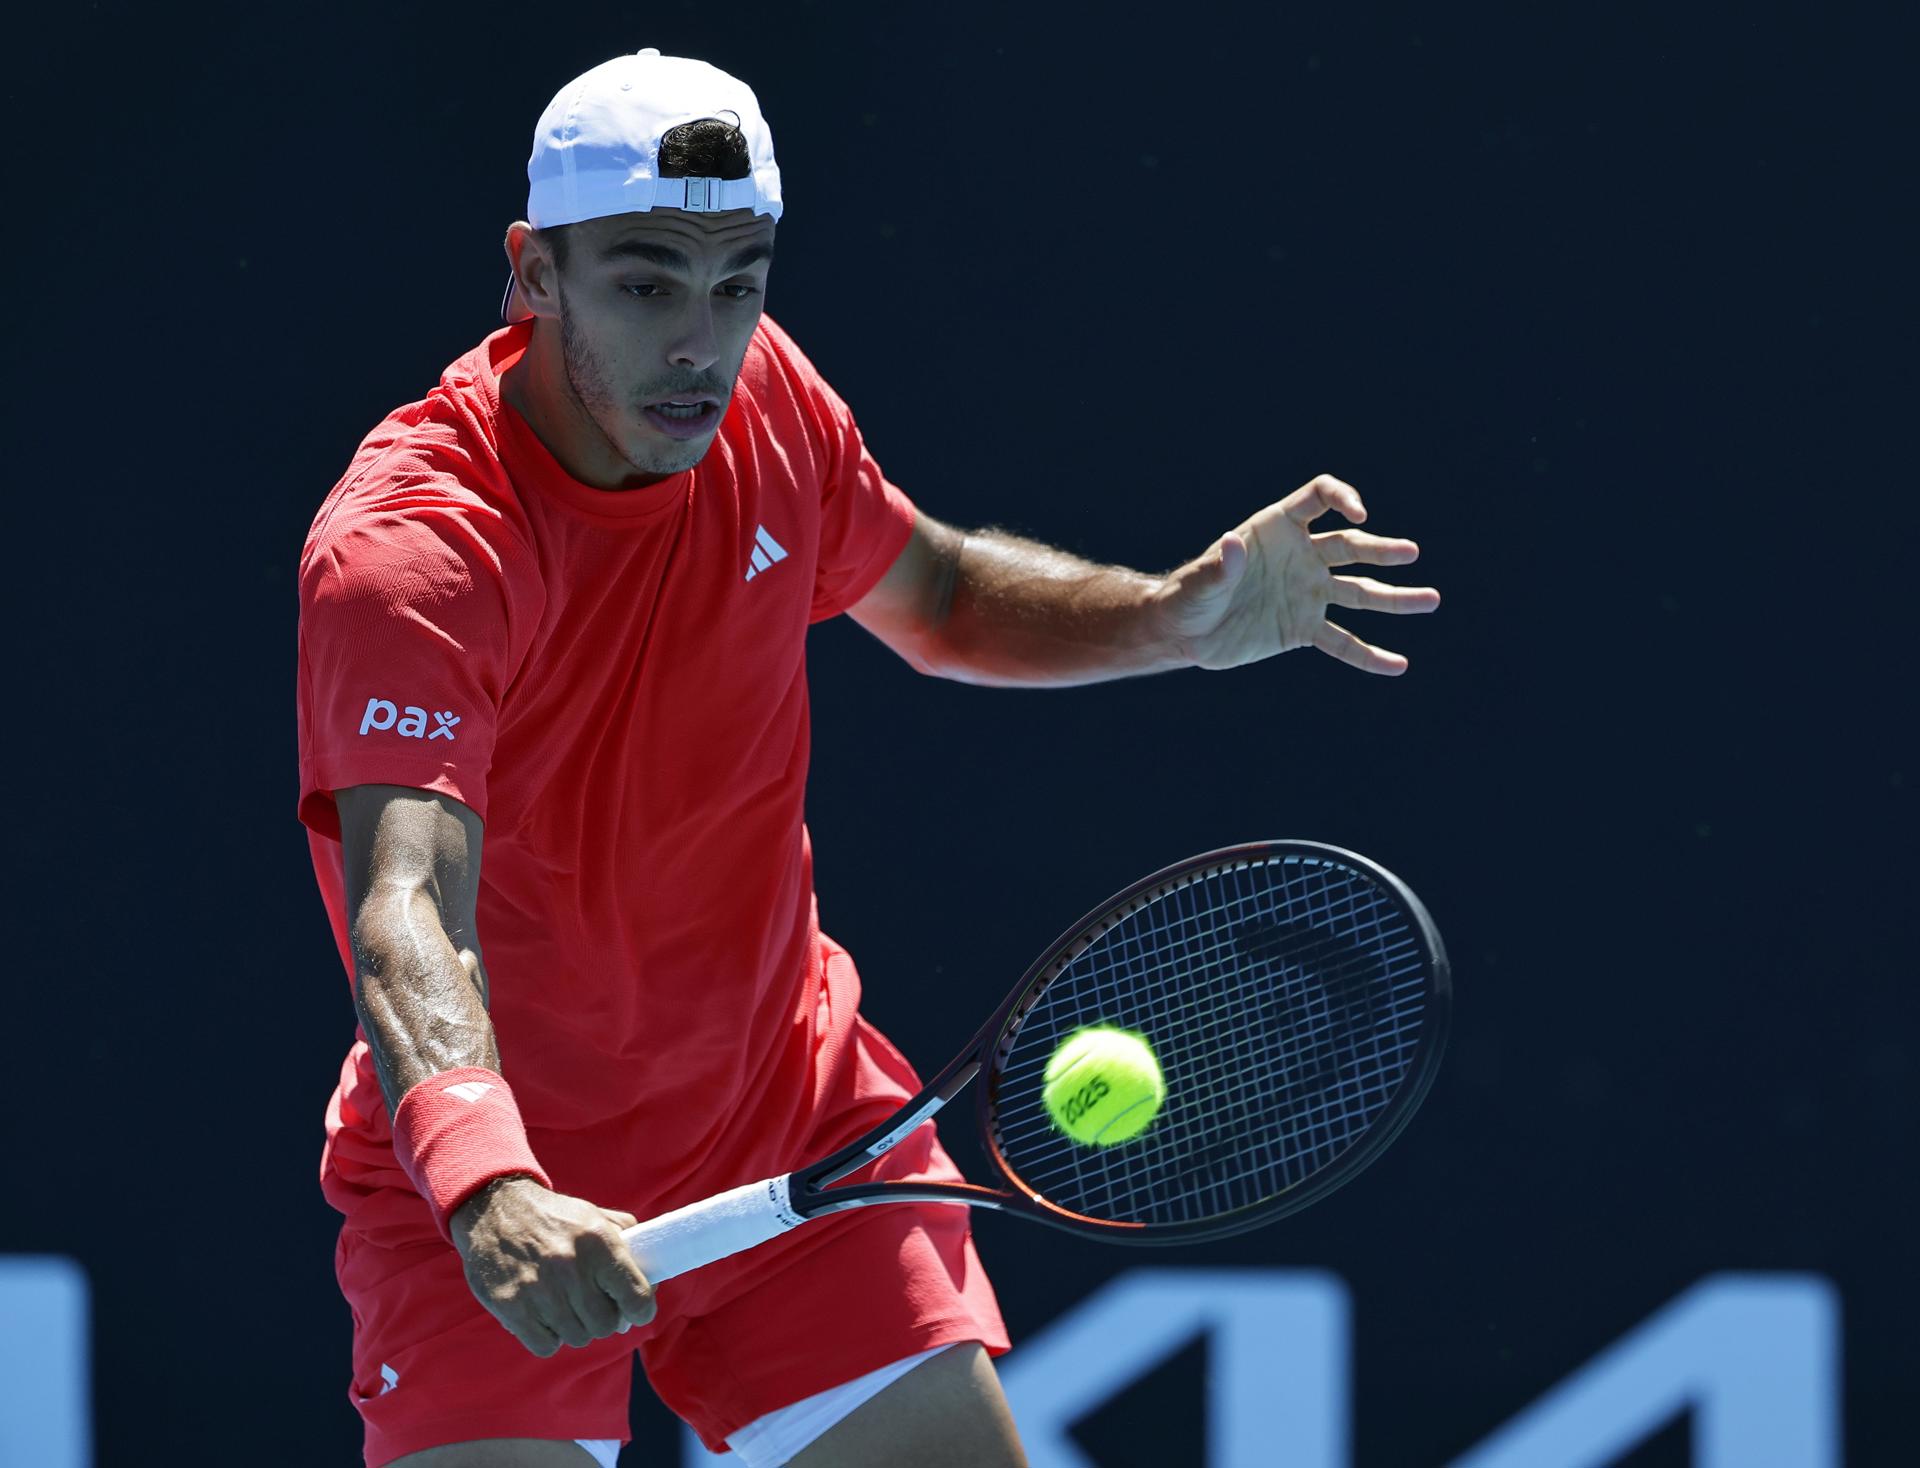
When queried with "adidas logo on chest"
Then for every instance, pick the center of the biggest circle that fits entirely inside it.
(767, 552)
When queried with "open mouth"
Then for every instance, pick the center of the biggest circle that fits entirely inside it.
(683, 417)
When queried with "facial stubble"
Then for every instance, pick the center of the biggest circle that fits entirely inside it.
(588, 380)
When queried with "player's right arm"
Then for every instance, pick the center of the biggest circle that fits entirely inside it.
(551, 1268)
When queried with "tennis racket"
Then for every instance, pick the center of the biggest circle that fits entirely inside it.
(1296, 996)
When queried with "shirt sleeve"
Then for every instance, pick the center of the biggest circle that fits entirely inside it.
(865, 519)
(412, 624)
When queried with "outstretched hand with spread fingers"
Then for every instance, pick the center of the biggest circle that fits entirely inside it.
(1265, 587)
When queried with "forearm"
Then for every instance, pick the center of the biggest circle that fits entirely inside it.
(421, 999)
(1021, 614)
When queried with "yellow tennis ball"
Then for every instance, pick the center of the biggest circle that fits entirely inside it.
(1103, 1086)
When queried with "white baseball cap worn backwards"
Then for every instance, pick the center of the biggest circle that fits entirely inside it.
(596, 150)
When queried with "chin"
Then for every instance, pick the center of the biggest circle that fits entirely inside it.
(654, 457)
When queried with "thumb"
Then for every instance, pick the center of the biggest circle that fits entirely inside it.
(1220, 570)
(1233, 558)
(623, 1279)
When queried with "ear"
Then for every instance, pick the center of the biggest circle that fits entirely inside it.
(535, 274)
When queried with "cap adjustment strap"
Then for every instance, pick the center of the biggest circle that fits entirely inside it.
(704, 195)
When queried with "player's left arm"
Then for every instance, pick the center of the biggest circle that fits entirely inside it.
(983, 606)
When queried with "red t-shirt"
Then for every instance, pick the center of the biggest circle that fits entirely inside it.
(616, 683)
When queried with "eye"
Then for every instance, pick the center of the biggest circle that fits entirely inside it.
(645, 290)
(738, 290)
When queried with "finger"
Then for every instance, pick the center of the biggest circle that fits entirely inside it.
(620, 1220)
(1346, 547)
(1336, 641)
(563, 1316)
(592, 1306)
(620, 1278)
(552, 1303)
(1364, 594)
(1318, 495)
(532, 1333)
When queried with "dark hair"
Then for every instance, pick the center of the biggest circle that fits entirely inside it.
(709, 148)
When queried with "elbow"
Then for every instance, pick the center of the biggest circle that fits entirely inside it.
(927, 655)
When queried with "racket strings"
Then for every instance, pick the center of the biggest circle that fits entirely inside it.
(1284, 1000)
(1304, 1061)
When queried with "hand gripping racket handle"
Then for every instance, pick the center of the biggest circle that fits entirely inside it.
(683, 1240)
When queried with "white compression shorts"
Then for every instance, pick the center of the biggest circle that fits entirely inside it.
(771, 1440)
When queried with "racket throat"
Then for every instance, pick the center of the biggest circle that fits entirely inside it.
(922, 1109)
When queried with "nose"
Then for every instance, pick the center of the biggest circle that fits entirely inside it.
(695, 344)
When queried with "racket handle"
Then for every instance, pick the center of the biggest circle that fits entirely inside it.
(683, 1240)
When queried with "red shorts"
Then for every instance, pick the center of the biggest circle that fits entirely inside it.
(831, 1301)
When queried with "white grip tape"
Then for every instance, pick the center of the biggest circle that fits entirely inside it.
(711, 1229)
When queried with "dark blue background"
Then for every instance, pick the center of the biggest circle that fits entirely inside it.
(1612, 312)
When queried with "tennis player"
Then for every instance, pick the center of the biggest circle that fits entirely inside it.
(559, 606)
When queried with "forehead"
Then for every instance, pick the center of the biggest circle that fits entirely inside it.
(723, 232)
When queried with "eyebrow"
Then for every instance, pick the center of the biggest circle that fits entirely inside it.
(669, 258)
